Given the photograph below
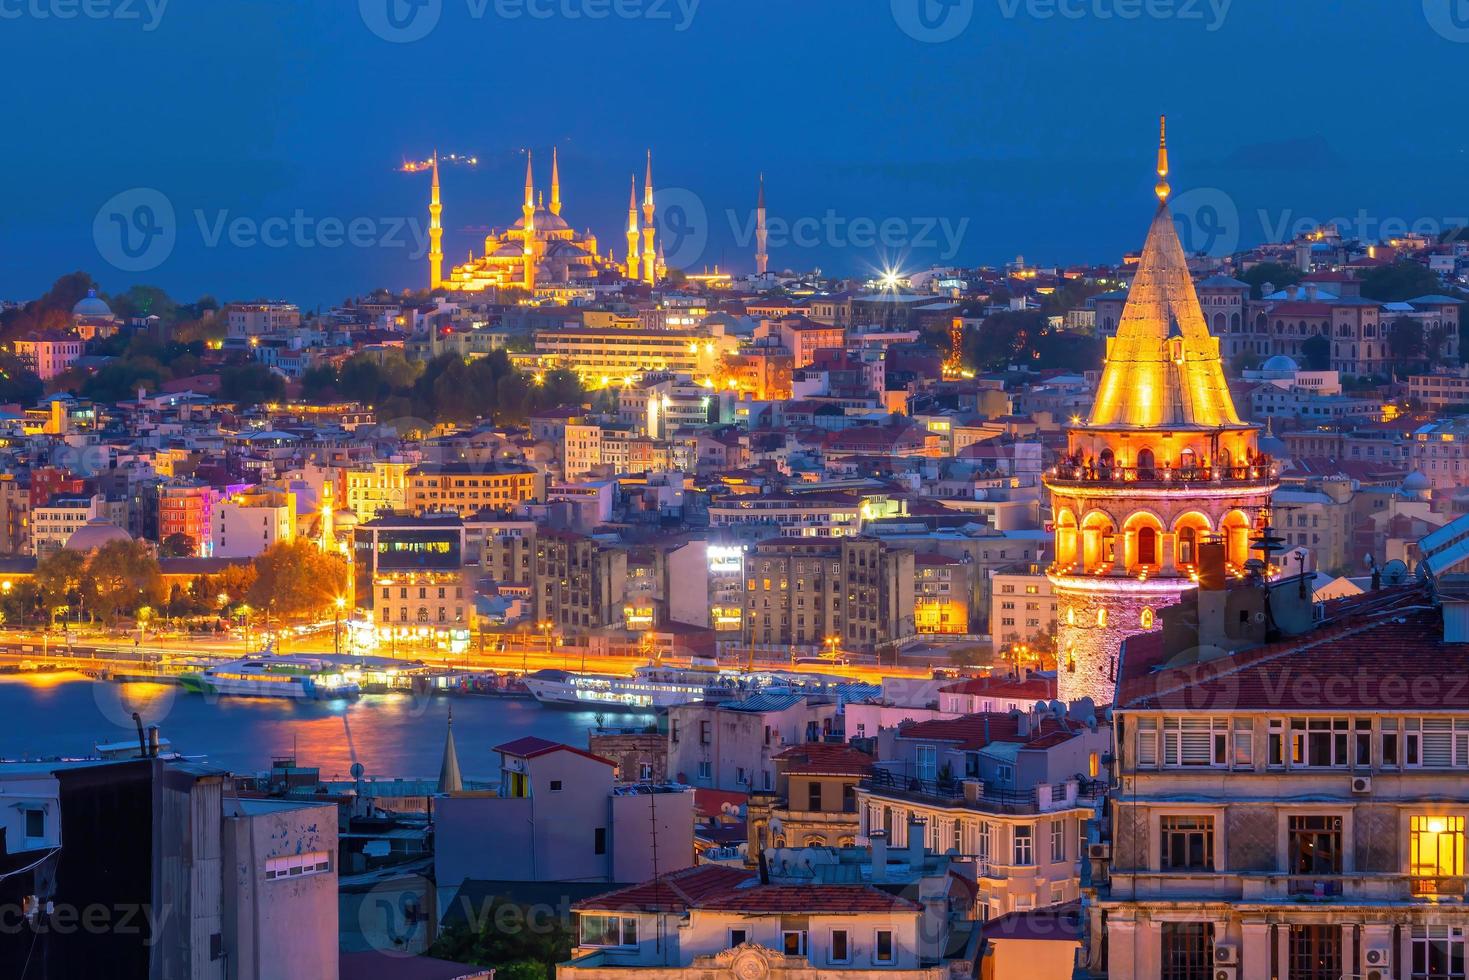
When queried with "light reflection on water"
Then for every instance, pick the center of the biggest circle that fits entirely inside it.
(390, 734)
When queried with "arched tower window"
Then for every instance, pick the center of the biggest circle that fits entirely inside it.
(1188, 540)
(1145, 464)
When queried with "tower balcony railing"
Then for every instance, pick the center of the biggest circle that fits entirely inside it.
(1072, 470)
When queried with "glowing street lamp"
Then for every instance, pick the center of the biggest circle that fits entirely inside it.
(337, 629)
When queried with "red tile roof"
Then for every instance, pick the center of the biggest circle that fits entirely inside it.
(1034, 688)
(532, 746)
(978, 730)
(725, 889)
(1372, 651)
(820, 759)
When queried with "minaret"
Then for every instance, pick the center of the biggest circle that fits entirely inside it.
(650, 251)
(450, 781)
(528, 210)
(632, 229)
(1162, 468)
(555, 184)
(435, 232)
(762, 260)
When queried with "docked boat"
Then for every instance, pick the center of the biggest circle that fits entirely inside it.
(652, 687)
(301, 678)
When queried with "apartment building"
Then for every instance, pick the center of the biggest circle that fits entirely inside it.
(580, 582)
(466, 489)
(1012, 791)
(1022, 605)
(812, 594)
(254, 319)
(732, 745)
(816, 514)
(187, 508)
(814, 803)
(1295, 805)
(614, 353)
(941, 593)
(378, 486)
(410, 575)
(244, 524)
(55, 521)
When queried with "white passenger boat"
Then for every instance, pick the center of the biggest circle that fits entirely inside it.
(302, 678)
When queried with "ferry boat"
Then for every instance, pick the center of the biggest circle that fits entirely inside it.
(653, 687)
(302, 678)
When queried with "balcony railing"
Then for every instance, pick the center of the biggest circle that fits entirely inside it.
(1284, 886)
(977, 795)
(1260, 469)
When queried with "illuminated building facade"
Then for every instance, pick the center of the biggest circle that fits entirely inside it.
(1162, 463)
(410, 576)
(941, 593)
(467, 489)
(381, 485)
(604, 356)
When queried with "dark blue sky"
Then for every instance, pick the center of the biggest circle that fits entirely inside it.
(1030, 132)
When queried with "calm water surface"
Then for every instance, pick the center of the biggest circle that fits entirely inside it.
(390, 734)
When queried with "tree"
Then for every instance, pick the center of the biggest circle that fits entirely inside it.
(1317, 350)
(59, 577)
(1274, 273)
(1400, 281)
(121, 576)
(295, 578)
(1405, 341)
(251, 384)
(178, 545)
(509, 937)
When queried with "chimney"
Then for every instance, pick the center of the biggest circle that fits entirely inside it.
(1022, 723)
(916, 830)
(1292, 291)
(1212, 584)
(879, 841)
(1310, 292)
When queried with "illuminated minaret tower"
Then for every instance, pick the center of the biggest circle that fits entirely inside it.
(650, 250)
(555, 184)
(762, 260)
(1162, 467)
(435, 232)
(528, 209)
(632, 229)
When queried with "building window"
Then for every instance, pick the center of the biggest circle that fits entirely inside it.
(813, 796)
(1024, 844)
(609, 930)
(926, 762)
(1188, 951)
(793, 942)
(984, 840)
(1438, 953)
(706, 770)
(1058, 840)
(1314, 952)
(297, 865)
(1187, 843)
(1436, 846)
(599, 840)
(738, 937)
(841, 951)
(35, 823)
(884, 946)
(1314, 846)
(555, 785)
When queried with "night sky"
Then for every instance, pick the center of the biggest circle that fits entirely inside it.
(1032, 131)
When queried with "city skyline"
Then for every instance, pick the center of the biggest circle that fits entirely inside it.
(1019, 150)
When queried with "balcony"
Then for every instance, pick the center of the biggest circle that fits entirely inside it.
(1073, 472)
(974, 794)
(1287, 888)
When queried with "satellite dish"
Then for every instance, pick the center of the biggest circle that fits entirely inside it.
(1395, 572)
(357, 770)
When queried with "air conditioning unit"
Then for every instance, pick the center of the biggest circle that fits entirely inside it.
(1361, 784)
(1375, 975)
(1099, 852)
(1228, 972)
(1379, 958)
(1226, 954)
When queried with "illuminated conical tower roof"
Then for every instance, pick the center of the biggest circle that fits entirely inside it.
(1163, 368)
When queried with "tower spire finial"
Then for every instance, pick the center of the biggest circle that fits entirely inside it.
(555, 183)
(530, 183)
(1162, 187)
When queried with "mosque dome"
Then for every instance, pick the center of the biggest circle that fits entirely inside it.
(1280, 364)
(91, 305)
(94, 534)
(1416, 482)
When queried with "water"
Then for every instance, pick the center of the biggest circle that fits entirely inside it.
(390, 734)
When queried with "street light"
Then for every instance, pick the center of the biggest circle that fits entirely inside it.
(337, 632)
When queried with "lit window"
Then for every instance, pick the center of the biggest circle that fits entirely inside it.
(1436, 852)
(297, 865)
